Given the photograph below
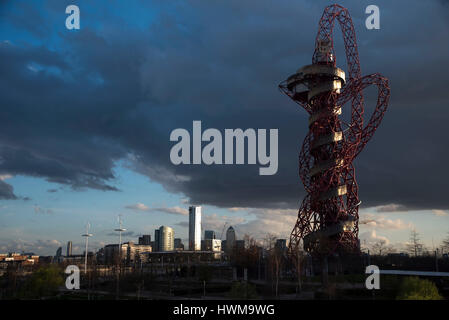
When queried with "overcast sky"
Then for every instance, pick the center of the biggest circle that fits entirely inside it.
(87, 115)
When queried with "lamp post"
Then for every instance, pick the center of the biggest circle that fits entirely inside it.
(86, 235)
(119, 230)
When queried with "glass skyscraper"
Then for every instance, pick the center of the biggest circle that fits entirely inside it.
(166, 239)
(195, 228)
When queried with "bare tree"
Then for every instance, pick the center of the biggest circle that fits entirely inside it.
(381, 248)
(275, 260)
(445, 244)
(414, 246)
(269, 241)
(248, 256)
(298, 256)
(378, 247)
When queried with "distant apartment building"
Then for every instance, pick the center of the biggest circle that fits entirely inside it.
(195, 228)
(130, 252)
(178, 244)
(211, 245)
(209, 234)
(134, 251)
(111, 254)
(18, 259)
(145, 240)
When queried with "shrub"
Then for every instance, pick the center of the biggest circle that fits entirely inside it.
(44, 282)
(414, 288)
(242, 290)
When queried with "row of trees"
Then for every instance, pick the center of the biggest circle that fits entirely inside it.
(276, 259)
(266, 253)
(413, 248)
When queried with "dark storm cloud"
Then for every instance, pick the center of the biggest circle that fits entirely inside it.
(69, 115)
(6, 191)
(23, 16)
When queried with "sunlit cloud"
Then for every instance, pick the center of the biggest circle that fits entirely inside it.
(171, 210)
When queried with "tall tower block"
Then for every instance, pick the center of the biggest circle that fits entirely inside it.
(195, 228)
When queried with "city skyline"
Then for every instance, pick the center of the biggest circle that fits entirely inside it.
(85, 134)
(394, 228)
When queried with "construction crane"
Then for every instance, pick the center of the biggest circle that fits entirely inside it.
(222, 231)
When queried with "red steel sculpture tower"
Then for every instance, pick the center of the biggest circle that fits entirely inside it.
(328, 217)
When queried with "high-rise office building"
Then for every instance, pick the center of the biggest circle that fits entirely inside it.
(166, 239)
(156, 240)
(145, 240)
(195, 228)
(230, 239)
(211, 245)
(178, 244)
(69, 249)
(223, 245)
(209, 235)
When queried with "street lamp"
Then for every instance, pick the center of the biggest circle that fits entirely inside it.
(119, 230)
(86, 235)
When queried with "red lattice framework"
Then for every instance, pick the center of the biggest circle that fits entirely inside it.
(328, 217)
